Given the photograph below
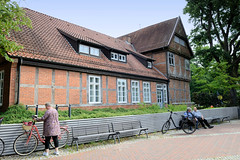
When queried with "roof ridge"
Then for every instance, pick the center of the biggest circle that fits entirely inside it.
(148, 27)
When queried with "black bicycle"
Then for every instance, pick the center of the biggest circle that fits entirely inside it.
(188, 124)
(2, 146)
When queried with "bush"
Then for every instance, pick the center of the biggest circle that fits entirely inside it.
(18, 113)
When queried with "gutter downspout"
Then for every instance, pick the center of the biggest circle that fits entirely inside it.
(19, 73)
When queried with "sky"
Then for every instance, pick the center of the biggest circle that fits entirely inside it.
(112, 17)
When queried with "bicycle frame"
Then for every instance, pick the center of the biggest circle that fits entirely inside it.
(170, 118)
(34, 128)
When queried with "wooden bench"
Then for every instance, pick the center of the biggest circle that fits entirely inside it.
(218, 119)
(92, 131)
(128, 127)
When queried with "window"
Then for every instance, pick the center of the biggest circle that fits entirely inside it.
(149, 64)
(146, 92)
(171, 58)
(89, 50)
(1, 87)
(179, 41)
(84, 49)
(162, 93)
(187, 64)
(114, 56)
(122, 58)
(94, 89)
(135, 92)
(122, 91)
(94, 51)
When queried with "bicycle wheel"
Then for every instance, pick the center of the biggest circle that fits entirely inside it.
(62, 138)
(165, 127)
(1, 146)
(189, 127)
(21, 147)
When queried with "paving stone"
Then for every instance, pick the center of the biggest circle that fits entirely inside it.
(219, 143)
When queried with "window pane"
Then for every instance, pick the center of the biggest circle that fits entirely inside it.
(84, 48)
(94, 51)
(121, 91)
(91, 79)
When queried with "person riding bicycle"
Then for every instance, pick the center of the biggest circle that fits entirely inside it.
(51, 128)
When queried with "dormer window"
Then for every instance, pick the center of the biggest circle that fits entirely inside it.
(122, 58)
(84, 49)
(114, 56)
(94, 51)
(118, 57)
(149, 64)
(89, 50)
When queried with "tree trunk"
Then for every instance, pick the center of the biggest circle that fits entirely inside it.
(233, 97)
(233, 93)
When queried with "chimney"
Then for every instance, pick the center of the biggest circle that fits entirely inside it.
(127, 38)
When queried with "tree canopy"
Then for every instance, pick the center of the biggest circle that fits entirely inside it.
(216, 39)
(12, 17)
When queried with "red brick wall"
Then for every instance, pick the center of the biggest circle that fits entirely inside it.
(45, 76)
(27, 75)
(60, 78)
(44, 95)
(71, 88)
(13, 79)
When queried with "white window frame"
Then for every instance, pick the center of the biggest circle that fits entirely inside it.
(149, 64)
(122, 58)
(1, 86)
(171, 59)
(122, 98)
(135, 89)
(114, 56)
(85, 49)
(94, 51)
(163, 87)
(164, 93)
(146, 92)
(94, 84)
(187, 64)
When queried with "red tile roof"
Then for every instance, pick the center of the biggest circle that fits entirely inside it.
(152, 37)
(45, 42)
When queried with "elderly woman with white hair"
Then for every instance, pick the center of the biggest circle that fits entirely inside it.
(51, 128)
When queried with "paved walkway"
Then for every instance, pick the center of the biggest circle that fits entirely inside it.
(220, 143)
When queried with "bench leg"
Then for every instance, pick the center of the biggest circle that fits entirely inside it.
(146, 133)
(77, 144)
(118, 137)
(72, 143)
(113, 137)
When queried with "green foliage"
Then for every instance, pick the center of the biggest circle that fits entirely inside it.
(12, 18)
(216, 39)
(211, 81)
(18, 113)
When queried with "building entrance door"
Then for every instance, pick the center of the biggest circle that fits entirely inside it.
(160, 95)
